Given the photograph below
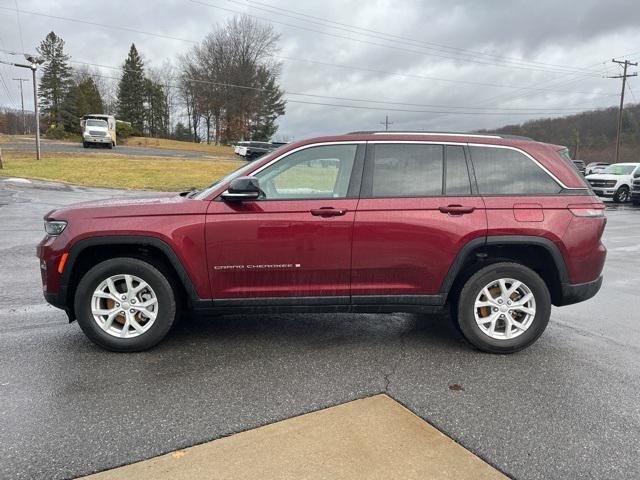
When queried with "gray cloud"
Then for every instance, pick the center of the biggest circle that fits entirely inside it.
(573, 34)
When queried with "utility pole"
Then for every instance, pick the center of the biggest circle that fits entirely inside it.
(624, 76)
(386, 123)
(34, 61)
(24, 124)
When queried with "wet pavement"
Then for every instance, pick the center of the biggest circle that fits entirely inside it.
(567, 407)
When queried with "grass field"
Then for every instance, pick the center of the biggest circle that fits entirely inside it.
(176, 145)
(117, 171)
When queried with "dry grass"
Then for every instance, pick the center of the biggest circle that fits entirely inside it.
(176, 145)
(117, 171)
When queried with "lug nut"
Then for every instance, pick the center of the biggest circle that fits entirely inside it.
(132, 310)
(133, 301)
(123, 297)
(495, 309)
(117, 305)
(499, 300)
(122, 312)
(508, 303)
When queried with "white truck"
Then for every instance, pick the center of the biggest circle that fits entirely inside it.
(98, 129)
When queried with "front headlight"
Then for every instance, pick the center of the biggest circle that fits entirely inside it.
(54, 227)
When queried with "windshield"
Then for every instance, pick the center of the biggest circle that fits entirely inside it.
(96, 123)
(618, 169)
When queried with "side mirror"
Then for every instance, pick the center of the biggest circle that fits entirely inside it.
(242, 188)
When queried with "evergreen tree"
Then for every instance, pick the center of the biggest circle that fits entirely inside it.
(181, 132)
(83, 98)
(56, 76)
(131, 92)
(269, 106)
(157, 109)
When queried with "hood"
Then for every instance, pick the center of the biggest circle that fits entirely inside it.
(606, 176)
(133, 206)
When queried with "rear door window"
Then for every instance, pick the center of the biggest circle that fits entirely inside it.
(404, 170)
(457, 180)
(503, 171)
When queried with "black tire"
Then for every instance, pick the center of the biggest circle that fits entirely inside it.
(621, 195)
(157, 281)
(110, 146)
(472, 288)
(85, 144)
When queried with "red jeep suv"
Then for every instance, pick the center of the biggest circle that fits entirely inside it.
(495, 228)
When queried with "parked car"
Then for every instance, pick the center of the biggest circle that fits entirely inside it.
(596, 167)
(635, 188)
(238, 146)
(614, 181)
(497, 229)
(580, 166)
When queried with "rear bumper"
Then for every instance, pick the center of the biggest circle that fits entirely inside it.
(579, 292)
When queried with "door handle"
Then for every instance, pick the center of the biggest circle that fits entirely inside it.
(456, 209)
(328, 212)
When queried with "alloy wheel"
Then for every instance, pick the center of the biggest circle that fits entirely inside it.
(124, 306)
(505, 309)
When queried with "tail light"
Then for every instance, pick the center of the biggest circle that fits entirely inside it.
(587, 210)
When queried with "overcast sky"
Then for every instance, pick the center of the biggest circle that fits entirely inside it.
(458, 64)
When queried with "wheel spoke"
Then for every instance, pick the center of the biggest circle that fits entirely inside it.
(523, 300)
(109, 321)
(487, 294)
(125, 327)
(527, 310)
(106, 295)
(129, 282)
(112, 287)
(103, 311)
(136, 325)
(503, 288)
(147, 303)
(491, 318)
(507, 326)
(514, 286)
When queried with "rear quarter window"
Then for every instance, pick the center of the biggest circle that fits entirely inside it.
(503, 171)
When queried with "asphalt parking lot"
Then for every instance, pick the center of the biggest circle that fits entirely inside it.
(567, 407)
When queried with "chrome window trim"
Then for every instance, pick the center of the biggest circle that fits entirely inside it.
(304, 147)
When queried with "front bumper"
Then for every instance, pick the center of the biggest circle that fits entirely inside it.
(105, 140)
(606, 193)
(579, 292)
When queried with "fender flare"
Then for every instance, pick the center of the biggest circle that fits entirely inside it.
(464, 252)
(137, 240)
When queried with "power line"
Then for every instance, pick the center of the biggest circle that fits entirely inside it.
(386, 72)
(359, 107)
(19, 25)
(330, 97)
(393, 38)
(384, 45)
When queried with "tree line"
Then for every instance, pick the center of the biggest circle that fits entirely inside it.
(223, 90)
(590, 136)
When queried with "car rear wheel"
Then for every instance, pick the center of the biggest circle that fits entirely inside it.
(503, 308)
(125, 305)
(621, 195)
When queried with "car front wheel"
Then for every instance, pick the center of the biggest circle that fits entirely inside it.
(125, 305)
(621, 195)
(503, 308)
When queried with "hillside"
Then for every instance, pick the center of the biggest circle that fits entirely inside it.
(595, 131)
